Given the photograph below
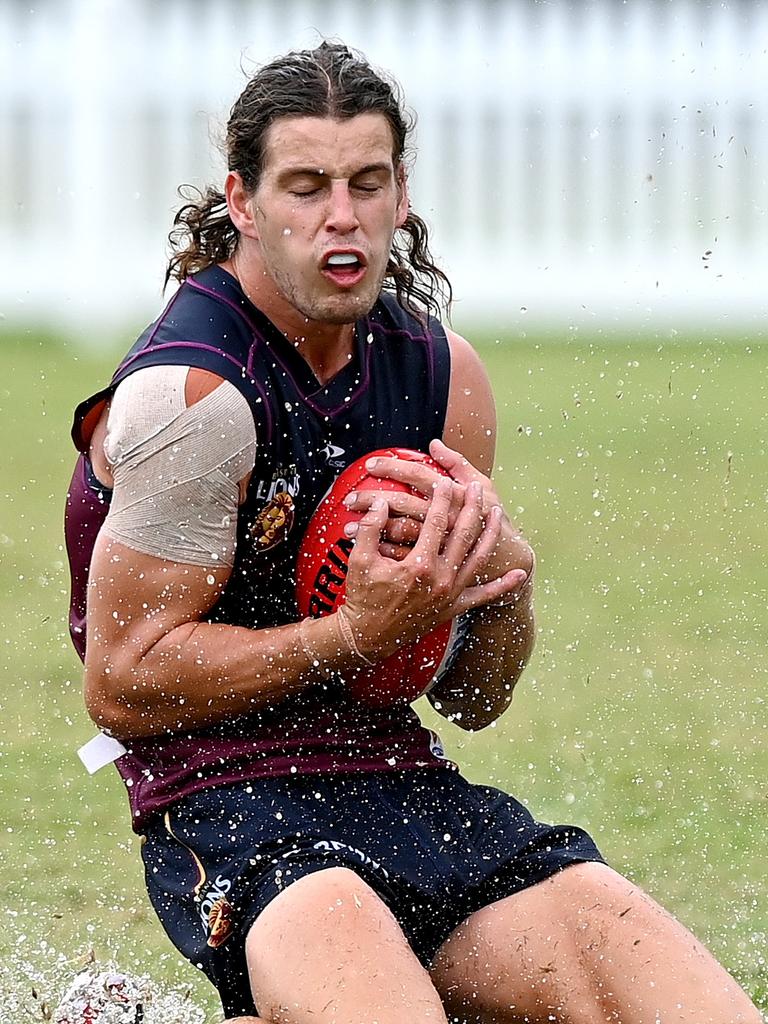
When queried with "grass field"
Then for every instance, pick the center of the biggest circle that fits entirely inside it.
(638, 469)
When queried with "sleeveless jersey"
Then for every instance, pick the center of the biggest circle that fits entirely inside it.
(394, 392)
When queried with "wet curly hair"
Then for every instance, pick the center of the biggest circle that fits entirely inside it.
(328, 81)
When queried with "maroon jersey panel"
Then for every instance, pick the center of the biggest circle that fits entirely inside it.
(158, 773)
(86, 509)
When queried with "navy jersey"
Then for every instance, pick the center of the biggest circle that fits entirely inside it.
(393, 392)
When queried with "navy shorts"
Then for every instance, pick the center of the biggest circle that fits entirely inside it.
(432, 845)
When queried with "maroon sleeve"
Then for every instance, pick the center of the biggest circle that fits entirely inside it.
(86, 509)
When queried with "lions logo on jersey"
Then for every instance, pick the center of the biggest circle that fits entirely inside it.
(273, 524)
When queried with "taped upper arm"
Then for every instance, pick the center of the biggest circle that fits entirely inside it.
(177, 466)
(164, 554)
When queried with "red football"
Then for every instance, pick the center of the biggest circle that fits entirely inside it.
(321, 576)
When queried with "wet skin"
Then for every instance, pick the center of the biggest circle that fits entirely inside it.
(327, 187)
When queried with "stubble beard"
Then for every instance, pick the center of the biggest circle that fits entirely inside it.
(341, 308)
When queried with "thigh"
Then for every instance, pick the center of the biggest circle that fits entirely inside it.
(328, 949)
(585, 946)
(215, 861)
(512, 850)
(513, 959)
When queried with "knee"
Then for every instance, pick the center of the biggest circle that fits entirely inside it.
(335, 886)
(590, 886)
(327, 938)
(333, 900)
(595, 889)
(596, 905)
(336, 893)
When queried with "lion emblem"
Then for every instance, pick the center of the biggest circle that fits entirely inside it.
(219, 923)
(273, 524)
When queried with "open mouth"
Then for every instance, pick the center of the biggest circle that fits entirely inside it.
(344, 268)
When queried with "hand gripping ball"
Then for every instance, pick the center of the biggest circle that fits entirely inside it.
(321, 576)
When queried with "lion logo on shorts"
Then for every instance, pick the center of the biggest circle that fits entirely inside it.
(219, 922)
(273, 524)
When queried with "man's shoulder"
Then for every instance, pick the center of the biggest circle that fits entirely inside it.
(209, 307)
(206, 323)
(391, 316)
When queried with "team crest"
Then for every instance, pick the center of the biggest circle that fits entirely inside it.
(219, 923)
(273, 524)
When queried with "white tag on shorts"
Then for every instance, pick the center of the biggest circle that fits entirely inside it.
(99, 751)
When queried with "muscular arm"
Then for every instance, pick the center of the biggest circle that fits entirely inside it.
(153, 665)
(479, 687)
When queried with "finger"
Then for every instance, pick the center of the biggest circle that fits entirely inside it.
(468, 528)
(400, 503)
(478, 557)
(435, 528)
(408, 505)
(395, 551)
(418, 475)
(505, 590)
(461, 469)
(369, 531)
(400, 532)
(405, 530)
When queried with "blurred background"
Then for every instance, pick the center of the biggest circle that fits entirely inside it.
(595, 175)
(589, 162)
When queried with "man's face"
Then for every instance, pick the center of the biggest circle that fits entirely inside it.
(326, 209)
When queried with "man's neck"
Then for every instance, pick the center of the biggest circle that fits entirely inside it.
(326, 347)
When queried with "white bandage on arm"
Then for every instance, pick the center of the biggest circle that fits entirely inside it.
(176, 468)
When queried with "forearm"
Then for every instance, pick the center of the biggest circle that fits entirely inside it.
(202, 673)
(479, 687)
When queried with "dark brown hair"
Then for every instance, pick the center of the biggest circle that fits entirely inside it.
(329, 81)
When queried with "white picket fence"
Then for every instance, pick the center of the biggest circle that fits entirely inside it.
(580, 163)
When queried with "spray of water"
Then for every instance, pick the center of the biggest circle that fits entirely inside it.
(50, 987)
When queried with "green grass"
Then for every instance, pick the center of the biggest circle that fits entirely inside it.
(638, 470)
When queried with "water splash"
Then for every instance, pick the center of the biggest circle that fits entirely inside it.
(59, 990)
